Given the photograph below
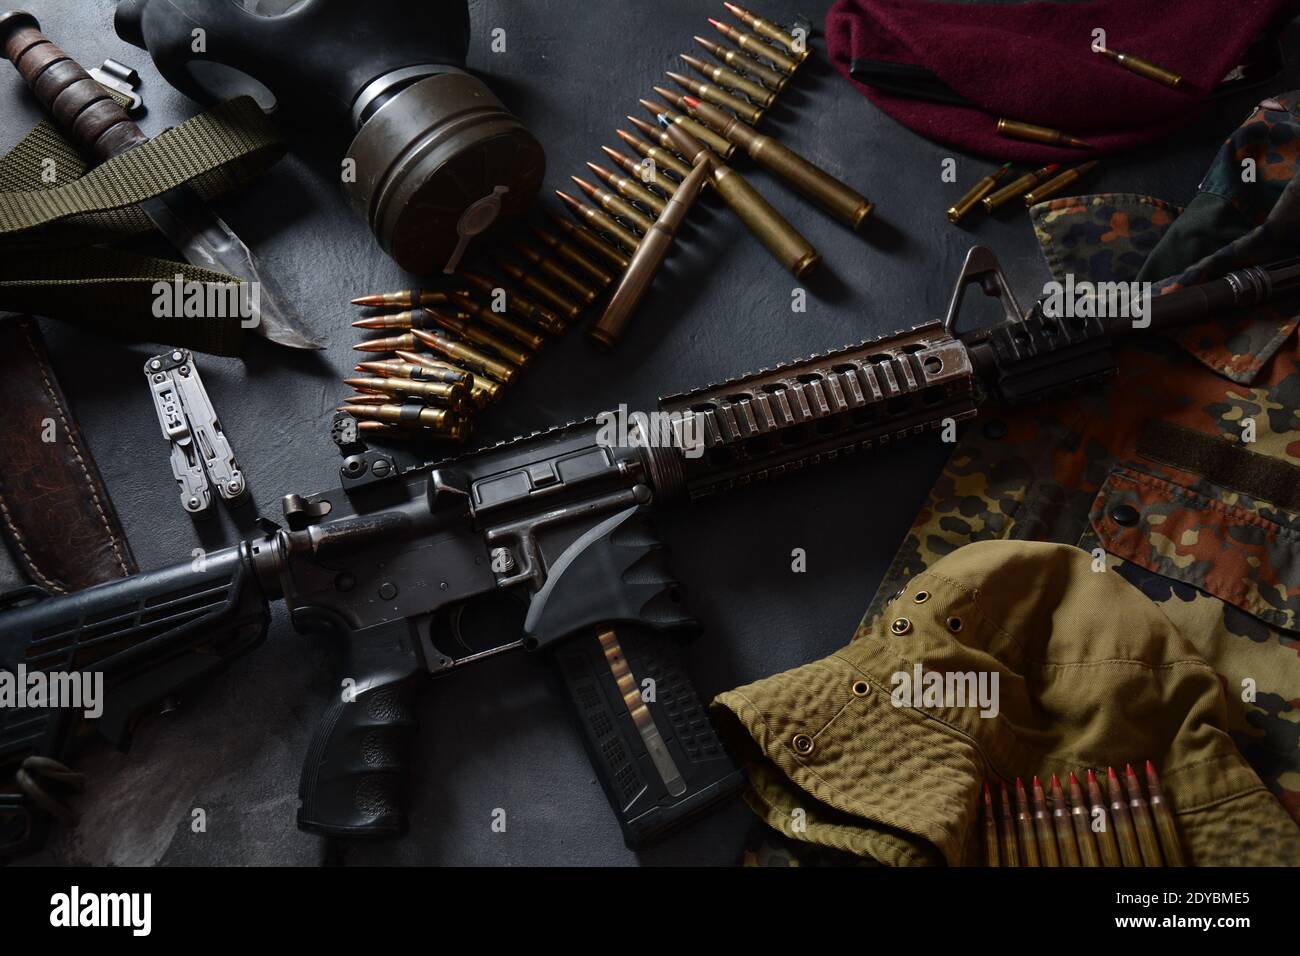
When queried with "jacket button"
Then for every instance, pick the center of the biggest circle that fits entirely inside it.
(803, 744)
(1125, 515)
(901, 625)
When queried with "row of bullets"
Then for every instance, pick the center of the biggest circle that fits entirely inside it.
(706, 124)
(1032, 187)
(1124, 827)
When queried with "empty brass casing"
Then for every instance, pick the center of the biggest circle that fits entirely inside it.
(459, 324)
(746, 110)
(845, 204)
(977, 192)
(638, 172)
(698, 130)
(1014, 129)
(535, 285)
(406, 299)
(438, 420)
(732, 80)
(630, 188)
(454, 396)
(1054, 186)
(1135, 64)
(769, 30)
(1018, 188)
(592, 241)
(785, 242)
(501, 323)
(467, 355)
(518, 303)
(585, 293)
(483, 389)
(663, 158)
(645, 263)
(752, 44)
(602, 221)
(774, 79)
(615, 205)
(574, 256)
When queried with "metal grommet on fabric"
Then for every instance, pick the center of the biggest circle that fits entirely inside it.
(921, 597)
(954, 624)
(1125, 515)
(803, 744)
(898, 594)
(861, 688)
(901, 625)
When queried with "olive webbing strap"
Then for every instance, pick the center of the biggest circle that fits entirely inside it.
(53, 211)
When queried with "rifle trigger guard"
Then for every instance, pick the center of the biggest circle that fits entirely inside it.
(982, 266)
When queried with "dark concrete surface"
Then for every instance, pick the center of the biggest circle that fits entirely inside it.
(496, 736)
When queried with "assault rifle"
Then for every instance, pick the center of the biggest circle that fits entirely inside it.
(398, 562)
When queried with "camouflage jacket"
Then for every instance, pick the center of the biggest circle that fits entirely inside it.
(1184, 471)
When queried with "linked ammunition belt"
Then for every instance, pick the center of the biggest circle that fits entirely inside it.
(55, 213)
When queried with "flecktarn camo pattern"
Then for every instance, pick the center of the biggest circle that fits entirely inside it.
(1222, 561)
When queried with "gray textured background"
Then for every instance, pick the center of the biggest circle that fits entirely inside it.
(496, 736)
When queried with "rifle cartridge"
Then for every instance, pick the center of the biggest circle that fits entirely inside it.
(1135, 64)
(697, 130)
(602, 221)
(1107, 844)
(385, 431)
(1043, 827)
(459, 324)
(1014, 129)
(1148, 843)
(1018, 188)
(629, 188)
(1170, 845)
(1025, 827)
(483, 389)
(640, 171)
(412, 319)
(769, 30)
(990, 830)
(842, 202)
(737, 60)
(389, 344)
(455, 396)
(518, 303)
(1082, 830)
(530, 339)
(1065, 841)
(406, 299)
(746, 110)
(438, 420)
(731, 80)
(1007, 825)
(1054, 186)
(392, 368)
(1125, 833)
(663, 158)
(573, 256)
(751, 43)
(977, 192)
(615, 205)
(585, 293)
(465, 355)
(567, 306)
(646, 261)
(785, 242)
(592, 241)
